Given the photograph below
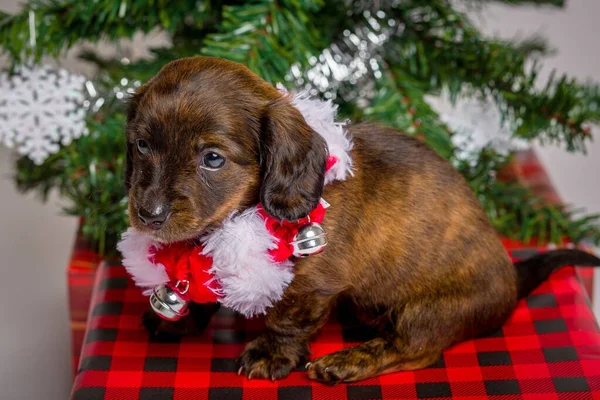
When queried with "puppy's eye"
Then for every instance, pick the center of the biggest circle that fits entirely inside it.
(142, 146)
(212, 161)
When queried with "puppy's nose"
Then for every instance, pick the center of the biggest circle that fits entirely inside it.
(154, 218)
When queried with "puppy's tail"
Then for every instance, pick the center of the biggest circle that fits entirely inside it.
(533, 271)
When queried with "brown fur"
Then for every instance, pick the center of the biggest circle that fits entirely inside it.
(409, 244)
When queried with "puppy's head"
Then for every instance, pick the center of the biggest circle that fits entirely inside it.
(206, 138)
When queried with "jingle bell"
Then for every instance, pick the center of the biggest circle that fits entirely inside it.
(310, 239)
(170, 301)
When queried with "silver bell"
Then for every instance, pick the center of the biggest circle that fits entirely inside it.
(170, 301)
(310, 239)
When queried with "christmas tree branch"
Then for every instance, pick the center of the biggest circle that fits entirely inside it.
(560, 113)
(279, 31)
(141, 70)
(516, 212)
(400, 52)
(59, 24)
(553, 3)
(446, 51)
(399, 102)
(385, 5)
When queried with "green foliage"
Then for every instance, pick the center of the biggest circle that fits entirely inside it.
(517, 212)
(430, 47)
(279, 31)
(90, 174)
(440, 48)
(60, 24)
(399, 103)
(557, 3)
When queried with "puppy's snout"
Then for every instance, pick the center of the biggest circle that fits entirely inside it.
(155, 217)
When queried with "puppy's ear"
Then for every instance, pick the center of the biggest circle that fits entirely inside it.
(293, 162)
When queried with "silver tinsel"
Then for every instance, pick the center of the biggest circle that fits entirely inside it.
(347, 67)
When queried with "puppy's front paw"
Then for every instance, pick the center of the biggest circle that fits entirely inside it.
(164, 331)
(266, 358)
(171, 331)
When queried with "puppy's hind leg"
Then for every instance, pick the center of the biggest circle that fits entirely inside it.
(375, 357)
(420, 333)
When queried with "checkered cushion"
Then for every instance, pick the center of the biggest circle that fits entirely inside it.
(550, 349)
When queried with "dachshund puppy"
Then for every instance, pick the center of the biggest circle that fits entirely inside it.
(409, 244)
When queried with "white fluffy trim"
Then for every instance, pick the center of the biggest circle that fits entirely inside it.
(320, 116)
(249, 280)
(135, 248)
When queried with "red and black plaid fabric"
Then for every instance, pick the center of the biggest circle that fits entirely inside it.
(81, 273)
(550, 349)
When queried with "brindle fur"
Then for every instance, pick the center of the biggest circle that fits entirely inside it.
(409, 244)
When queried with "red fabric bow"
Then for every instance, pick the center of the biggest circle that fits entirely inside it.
(183, 261)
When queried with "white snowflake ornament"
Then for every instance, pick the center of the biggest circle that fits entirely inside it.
(477, 123)
(41, 109)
